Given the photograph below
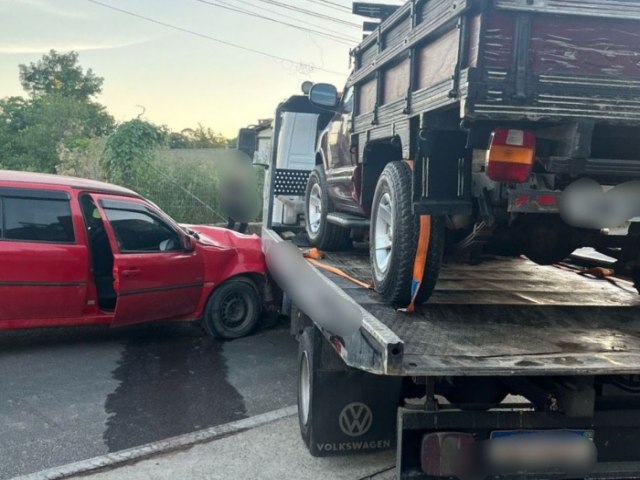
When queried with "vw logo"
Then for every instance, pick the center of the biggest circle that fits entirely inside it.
(355, 419)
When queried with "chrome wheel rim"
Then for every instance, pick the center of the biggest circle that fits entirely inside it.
(383, 233)
(315, 209)
(305, 389)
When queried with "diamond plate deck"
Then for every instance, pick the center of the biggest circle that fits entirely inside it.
(509, 317)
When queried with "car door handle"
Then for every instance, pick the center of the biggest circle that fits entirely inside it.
(131, 272)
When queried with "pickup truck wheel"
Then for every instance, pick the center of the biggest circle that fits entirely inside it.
(233, 309)
(322, 234)
(394, 239)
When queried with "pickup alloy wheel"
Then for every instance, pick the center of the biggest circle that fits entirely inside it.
(394, 239)
(321, 233)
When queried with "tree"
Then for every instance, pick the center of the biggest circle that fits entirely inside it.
(129, 151)
(200, 137)
(32, 131)
(60, 73)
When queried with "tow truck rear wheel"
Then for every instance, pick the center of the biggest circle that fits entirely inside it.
(394, 235)
(322, 234)
(342, 410)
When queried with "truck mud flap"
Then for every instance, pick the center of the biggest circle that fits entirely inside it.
(343, 411)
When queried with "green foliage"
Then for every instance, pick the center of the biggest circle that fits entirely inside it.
(200, 137)
(32, 131)
(130, 149)
(60, 74)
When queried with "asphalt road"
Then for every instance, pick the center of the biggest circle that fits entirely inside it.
(72, 394)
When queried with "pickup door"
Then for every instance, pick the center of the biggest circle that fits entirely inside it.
(341, 164)
(154, 277)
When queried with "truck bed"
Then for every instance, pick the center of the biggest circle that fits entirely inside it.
(504, 316)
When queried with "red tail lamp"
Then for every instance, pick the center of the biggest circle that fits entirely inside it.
(447, 454)
(511, 155)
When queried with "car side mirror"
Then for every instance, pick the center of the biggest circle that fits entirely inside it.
(324, 95)
(189, 244)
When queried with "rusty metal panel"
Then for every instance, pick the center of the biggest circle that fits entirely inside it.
(367, 96)
(603, 47)
(499, 40)
(628, 9)
(396, 82)
(437, 61)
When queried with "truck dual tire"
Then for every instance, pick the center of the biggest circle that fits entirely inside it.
(322, 234)
(233, 310)
(394, 236)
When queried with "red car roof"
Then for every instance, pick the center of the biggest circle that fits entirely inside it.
(61, 180)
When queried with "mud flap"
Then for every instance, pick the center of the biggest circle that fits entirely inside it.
(350, 411)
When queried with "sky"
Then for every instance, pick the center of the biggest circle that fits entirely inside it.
(181, 79)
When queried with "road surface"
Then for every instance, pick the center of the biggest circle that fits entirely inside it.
(76, 393)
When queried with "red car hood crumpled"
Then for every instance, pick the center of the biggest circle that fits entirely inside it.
(244, 252)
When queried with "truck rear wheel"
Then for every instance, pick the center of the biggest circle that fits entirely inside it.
(394, 239)
(322, 234)
(342, 410)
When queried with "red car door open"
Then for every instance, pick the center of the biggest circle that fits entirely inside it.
(155, 276)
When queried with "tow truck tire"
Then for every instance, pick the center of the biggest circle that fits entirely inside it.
(317, 204)
(233, 310)
(333, 398)
(394, 237)
(305, 387)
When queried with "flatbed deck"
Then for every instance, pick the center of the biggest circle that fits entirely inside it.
(504, 316)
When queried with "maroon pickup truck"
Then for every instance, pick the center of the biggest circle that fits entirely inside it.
(501, 126)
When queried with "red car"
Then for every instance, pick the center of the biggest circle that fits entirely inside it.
(80, 252)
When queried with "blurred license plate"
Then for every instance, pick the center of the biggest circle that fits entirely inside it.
(532, 450)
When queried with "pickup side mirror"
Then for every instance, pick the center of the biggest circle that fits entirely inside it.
(189, 244)
(324, 95)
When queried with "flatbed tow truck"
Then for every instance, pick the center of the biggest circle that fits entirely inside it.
(511, 369)
(563, 345)
(567, 345)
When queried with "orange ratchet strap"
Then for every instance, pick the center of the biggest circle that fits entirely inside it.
(420, 263)
(422, 253)
(313, 256)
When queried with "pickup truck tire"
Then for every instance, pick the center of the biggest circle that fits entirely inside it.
(322, 234)
(233, 310)
(394, 239)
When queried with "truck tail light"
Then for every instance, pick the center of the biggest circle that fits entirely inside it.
(511, 155)
(447, 454)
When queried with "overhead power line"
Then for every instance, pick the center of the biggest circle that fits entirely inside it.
(325, 34)
(213, 39)
(327, 3)
(283, 15)
(312, 13)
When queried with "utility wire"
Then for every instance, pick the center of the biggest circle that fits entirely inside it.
(327, 3)
(337, 38)
(217, 40)
(282, 15)
(312, 13)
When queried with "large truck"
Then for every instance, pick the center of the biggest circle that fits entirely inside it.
(502, 123)
(512, 369)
